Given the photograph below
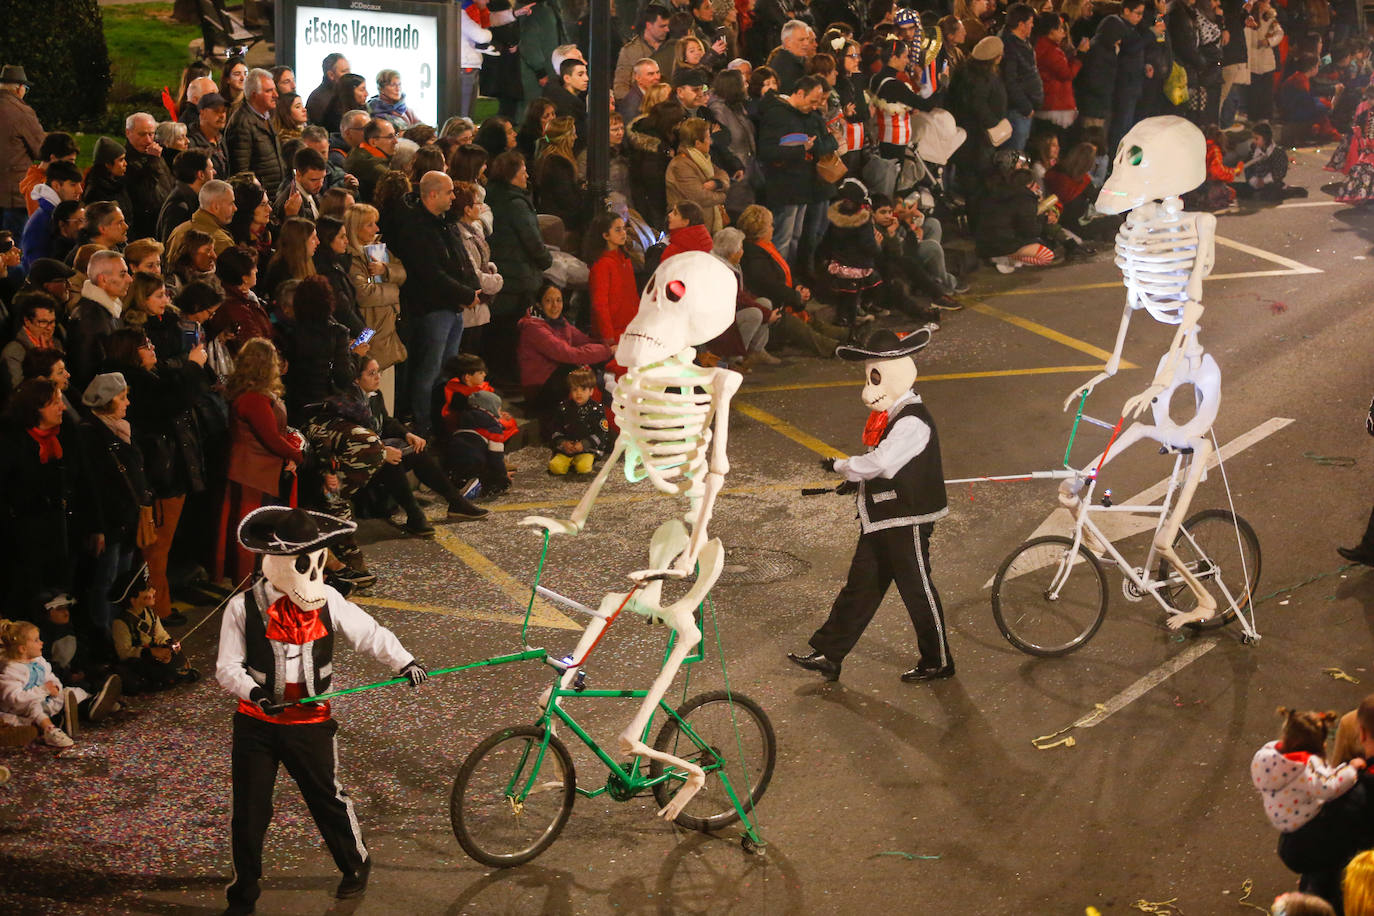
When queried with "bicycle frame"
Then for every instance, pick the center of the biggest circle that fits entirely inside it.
(1146, 584)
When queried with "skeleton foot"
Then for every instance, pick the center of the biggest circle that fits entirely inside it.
(1178, 621)
(696, 776)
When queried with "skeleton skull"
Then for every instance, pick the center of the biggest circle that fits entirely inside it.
(689, 300)
(299, 577)
(1160, 157)
(888, 380)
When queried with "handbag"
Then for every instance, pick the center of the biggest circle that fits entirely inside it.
(1000, 132)
(147, 528)
(830, 168)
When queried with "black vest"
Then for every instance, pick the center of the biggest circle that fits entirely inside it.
(916, 493)
(265, 659)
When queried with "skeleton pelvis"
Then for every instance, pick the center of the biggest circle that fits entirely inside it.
(669, 540)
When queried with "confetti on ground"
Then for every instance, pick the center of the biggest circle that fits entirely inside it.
(1336, 674)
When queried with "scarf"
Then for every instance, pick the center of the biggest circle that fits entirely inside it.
(381, 107)
(289, 624)
(767, 245)
(120, 428)
(702, 162)
(875, 427)
(36, 678)
(37, 342)
(49, 446)
(112, 305)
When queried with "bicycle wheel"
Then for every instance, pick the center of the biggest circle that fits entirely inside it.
(1029, 617)
(737, 740)
(1227, 551)
(488, 822)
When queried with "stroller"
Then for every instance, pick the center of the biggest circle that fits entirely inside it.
(935, 137)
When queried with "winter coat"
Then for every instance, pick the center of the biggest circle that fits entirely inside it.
(688, 238)
(1260, 44)
(1020, 75)
(633, 51)
(477, 33)
(89, 329)
(848, 241)
(37, 240)
(161, 408)
(319, 365)
(978, 100)
(149, 182)
(258, 443)
(101, 185)
(1057, 73)
(545, 345)
(558, 191)
(117, 484)
(585, 423)
(379, 304)
(365, 165)
(21, 136)
(615, 300)
(36, 498)
(243, 314)
(438, 276)
(205, 221)
(489, 279)
(216, 150)
(540, 33)
(334, 268)
(178, 208)
(1295, 785)
(516, 244)
(1007, 220)
(252, 144)
(789, 68)
(684, 180)
(1094, 85)
(790, 171)
(649, 158)
(764, 278)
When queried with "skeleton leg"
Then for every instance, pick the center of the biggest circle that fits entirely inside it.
(679, 615)
(1164, 538)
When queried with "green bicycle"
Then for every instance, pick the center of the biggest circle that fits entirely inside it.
(514, 793)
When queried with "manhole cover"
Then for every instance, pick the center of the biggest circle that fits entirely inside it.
(758, 566)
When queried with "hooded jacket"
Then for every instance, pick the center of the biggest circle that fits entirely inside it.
(1295, 785)
(1057, 73)
(1095, 81)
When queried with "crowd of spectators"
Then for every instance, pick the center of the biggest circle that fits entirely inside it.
(280, 296)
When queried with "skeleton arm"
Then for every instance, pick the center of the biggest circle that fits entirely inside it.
(728, 384)
(584, 507)
(1113, 363)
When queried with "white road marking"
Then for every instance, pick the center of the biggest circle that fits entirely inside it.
(1312, 203)
(1146, 684)
(1294, 266)
(1119, 525)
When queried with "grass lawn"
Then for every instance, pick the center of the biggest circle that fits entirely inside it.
(148, 51)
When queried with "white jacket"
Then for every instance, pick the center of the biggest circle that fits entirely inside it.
(475, 38)
(1294, 786)
(19, 699)
(1261, 42)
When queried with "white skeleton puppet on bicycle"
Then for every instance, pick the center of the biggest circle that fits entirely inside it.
(674, 422)
(1164, 253)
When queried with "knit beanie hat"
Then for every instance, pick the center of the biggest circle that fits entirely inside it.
(107, 151)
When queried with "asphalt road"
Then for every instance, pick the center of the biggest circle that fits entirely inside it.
(928, 798)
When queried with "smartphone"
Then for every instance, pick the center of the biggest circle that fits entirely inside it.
(362, 338)
(190, 339)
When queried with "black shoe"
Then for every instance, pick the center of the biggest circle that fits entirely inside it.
(174, 619)
(358, 578)
(418, 527)
(100, 705)
(947, 303)
(1356, 555)
(354, 885)
(239, 909)
(817, 662)
(188, 675)
(921, 673)
(465, 510)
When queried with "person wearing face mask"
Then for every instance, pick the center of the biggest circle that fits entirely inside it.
(900, 489)
(276, 648)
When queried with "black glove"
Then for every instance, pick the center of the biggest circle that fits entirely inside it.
(828, 465)
(846, 487)
(416, 672)
(260, 697)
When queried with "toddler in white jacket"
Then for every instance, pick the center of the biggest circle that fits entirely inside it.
(1292, 774)
(30, 691)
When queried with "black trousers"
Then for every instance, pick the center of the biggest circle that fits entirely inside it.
(310, 754)
(1320, 849)
(900, 555)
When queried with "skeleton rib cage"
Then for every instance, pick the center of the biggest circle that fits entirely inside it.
(665, 414)
(1156, 253)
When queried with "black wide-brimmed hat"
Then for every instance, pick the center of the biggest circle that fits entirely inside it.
(885, 344)
(281, 531)
(129, 584)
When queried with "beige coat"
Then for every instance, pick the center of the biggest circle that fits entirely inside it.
(685, 181)
(379, 302)
(205, 221)
(20, 137)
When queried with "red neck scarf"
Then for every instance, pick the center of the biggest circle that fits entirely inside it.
(875, 427)
(288, 623)
(49, 446)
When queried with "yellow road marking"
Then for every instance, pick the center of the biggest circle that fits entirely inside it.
(936, 377)
(466, 613)
(1049, 333)
(787, 429)
(544, 614)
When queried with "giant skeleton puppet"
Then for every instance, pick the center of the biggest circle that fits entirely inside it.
(674, 422)
(1164, 253)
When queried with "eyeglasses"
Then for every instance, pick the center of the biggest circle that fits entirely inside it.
(43, 322)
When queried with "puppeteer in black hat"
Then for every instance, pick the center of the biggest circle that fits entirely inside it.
(900, 487)
(276, 649)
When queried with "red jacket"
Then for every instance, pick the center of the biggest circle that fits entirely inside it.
(1056, 75)
(615, 300)
(1066, 187)
(688, 238)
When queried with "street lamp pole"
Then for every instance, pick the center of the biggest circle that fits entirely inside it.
(600, 63)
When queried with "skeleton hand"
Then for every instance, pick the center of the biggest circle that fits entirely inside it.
(415, 671)
(551, 525)
(1138, 404)
(1081, 390)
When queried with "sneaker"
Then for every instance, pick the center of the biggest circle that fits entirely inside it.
(464, 510)
(931, 326)
(1004, 265)
(71, 714)
(947, 303)
(56, 737)
(357, 578)
(763, 357)
(471, 489)
(105, 701)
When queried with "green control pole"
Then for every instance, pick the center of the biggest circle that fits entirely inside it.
(495, 660)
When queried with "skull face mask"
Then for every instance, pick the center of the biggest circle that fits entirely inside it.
(888, 380)
(299, 577)
(1160, 157)
(689, 300)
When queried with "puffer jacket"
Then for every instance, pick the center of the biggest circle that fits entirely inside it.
(1056, 74)
(1295, 785)
(1020, 75)
(516, 245)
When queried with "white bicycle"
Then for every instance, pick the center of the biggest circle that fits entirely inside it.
(1050, 595)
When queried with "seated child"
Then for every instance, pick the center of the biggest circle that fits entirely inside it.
(466, 373)
(1215, 193)
(61, 648)
(30, 692)
(1296, 782)
(580, 433)
(1295, 903)
(1265, 170)
(148, 659)
(477, 448)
